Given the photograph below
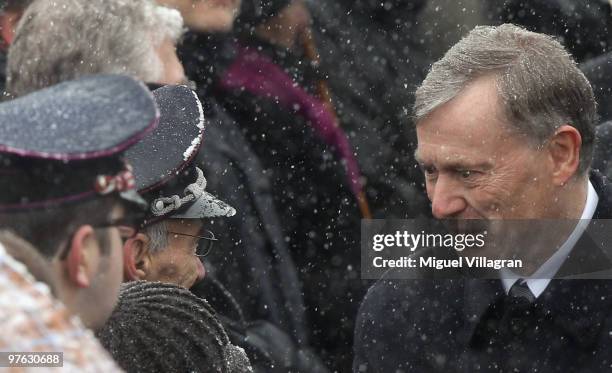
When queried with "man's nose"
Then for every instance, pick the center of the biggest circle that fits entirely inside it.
(446, 198)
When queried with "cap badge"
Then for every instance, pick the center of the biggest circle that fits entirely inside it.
(121, 182)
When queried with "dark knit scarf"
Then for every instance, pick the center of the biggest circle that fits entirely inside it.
(158, 327)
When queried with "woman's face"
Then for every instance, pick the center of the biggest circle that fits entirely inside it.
(208, 16)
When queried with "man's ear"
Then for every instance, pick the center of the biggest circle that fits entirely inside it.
(564, 148)
(136, 257)
(83, 256)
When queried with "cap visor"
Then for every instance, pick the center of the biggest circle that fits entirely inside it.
(131, 196)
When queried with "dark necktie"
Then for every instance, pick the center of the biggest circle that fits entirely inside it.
(519, 307)
(520, 291)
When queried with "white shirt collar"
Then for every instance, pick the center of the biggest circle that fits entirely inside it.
(540, 279)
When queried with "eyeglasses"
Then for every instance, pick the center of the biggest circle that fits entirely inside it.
(206, 240)
(127, 226)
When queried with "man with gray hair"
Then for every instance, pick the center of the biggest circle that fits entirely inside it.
(505, 124)
(60, 39)
(176, 234)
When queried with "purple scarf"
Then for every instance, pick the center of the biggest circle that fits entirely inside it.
(259, 75)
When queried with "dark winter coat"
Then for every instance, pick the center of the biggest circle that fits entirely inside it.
(251, 258)
(318, 208)
(465, 325)
(373, 61)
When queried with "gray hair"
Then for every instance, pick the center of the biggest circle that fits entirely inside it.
(538, 82)
(158, 236)
(63, 39)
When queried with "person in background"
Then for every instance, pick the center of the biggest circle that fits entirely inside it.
(279, 98)
(373, 55)
(159, 327)
(68, 192)
(135, 38)
(250, 274)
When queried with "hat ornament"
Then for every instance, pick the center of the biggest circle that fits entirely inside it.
(164, 205)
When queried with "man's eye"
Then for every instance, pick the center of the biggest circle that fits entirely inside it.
(429, 170)
(465, 174)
